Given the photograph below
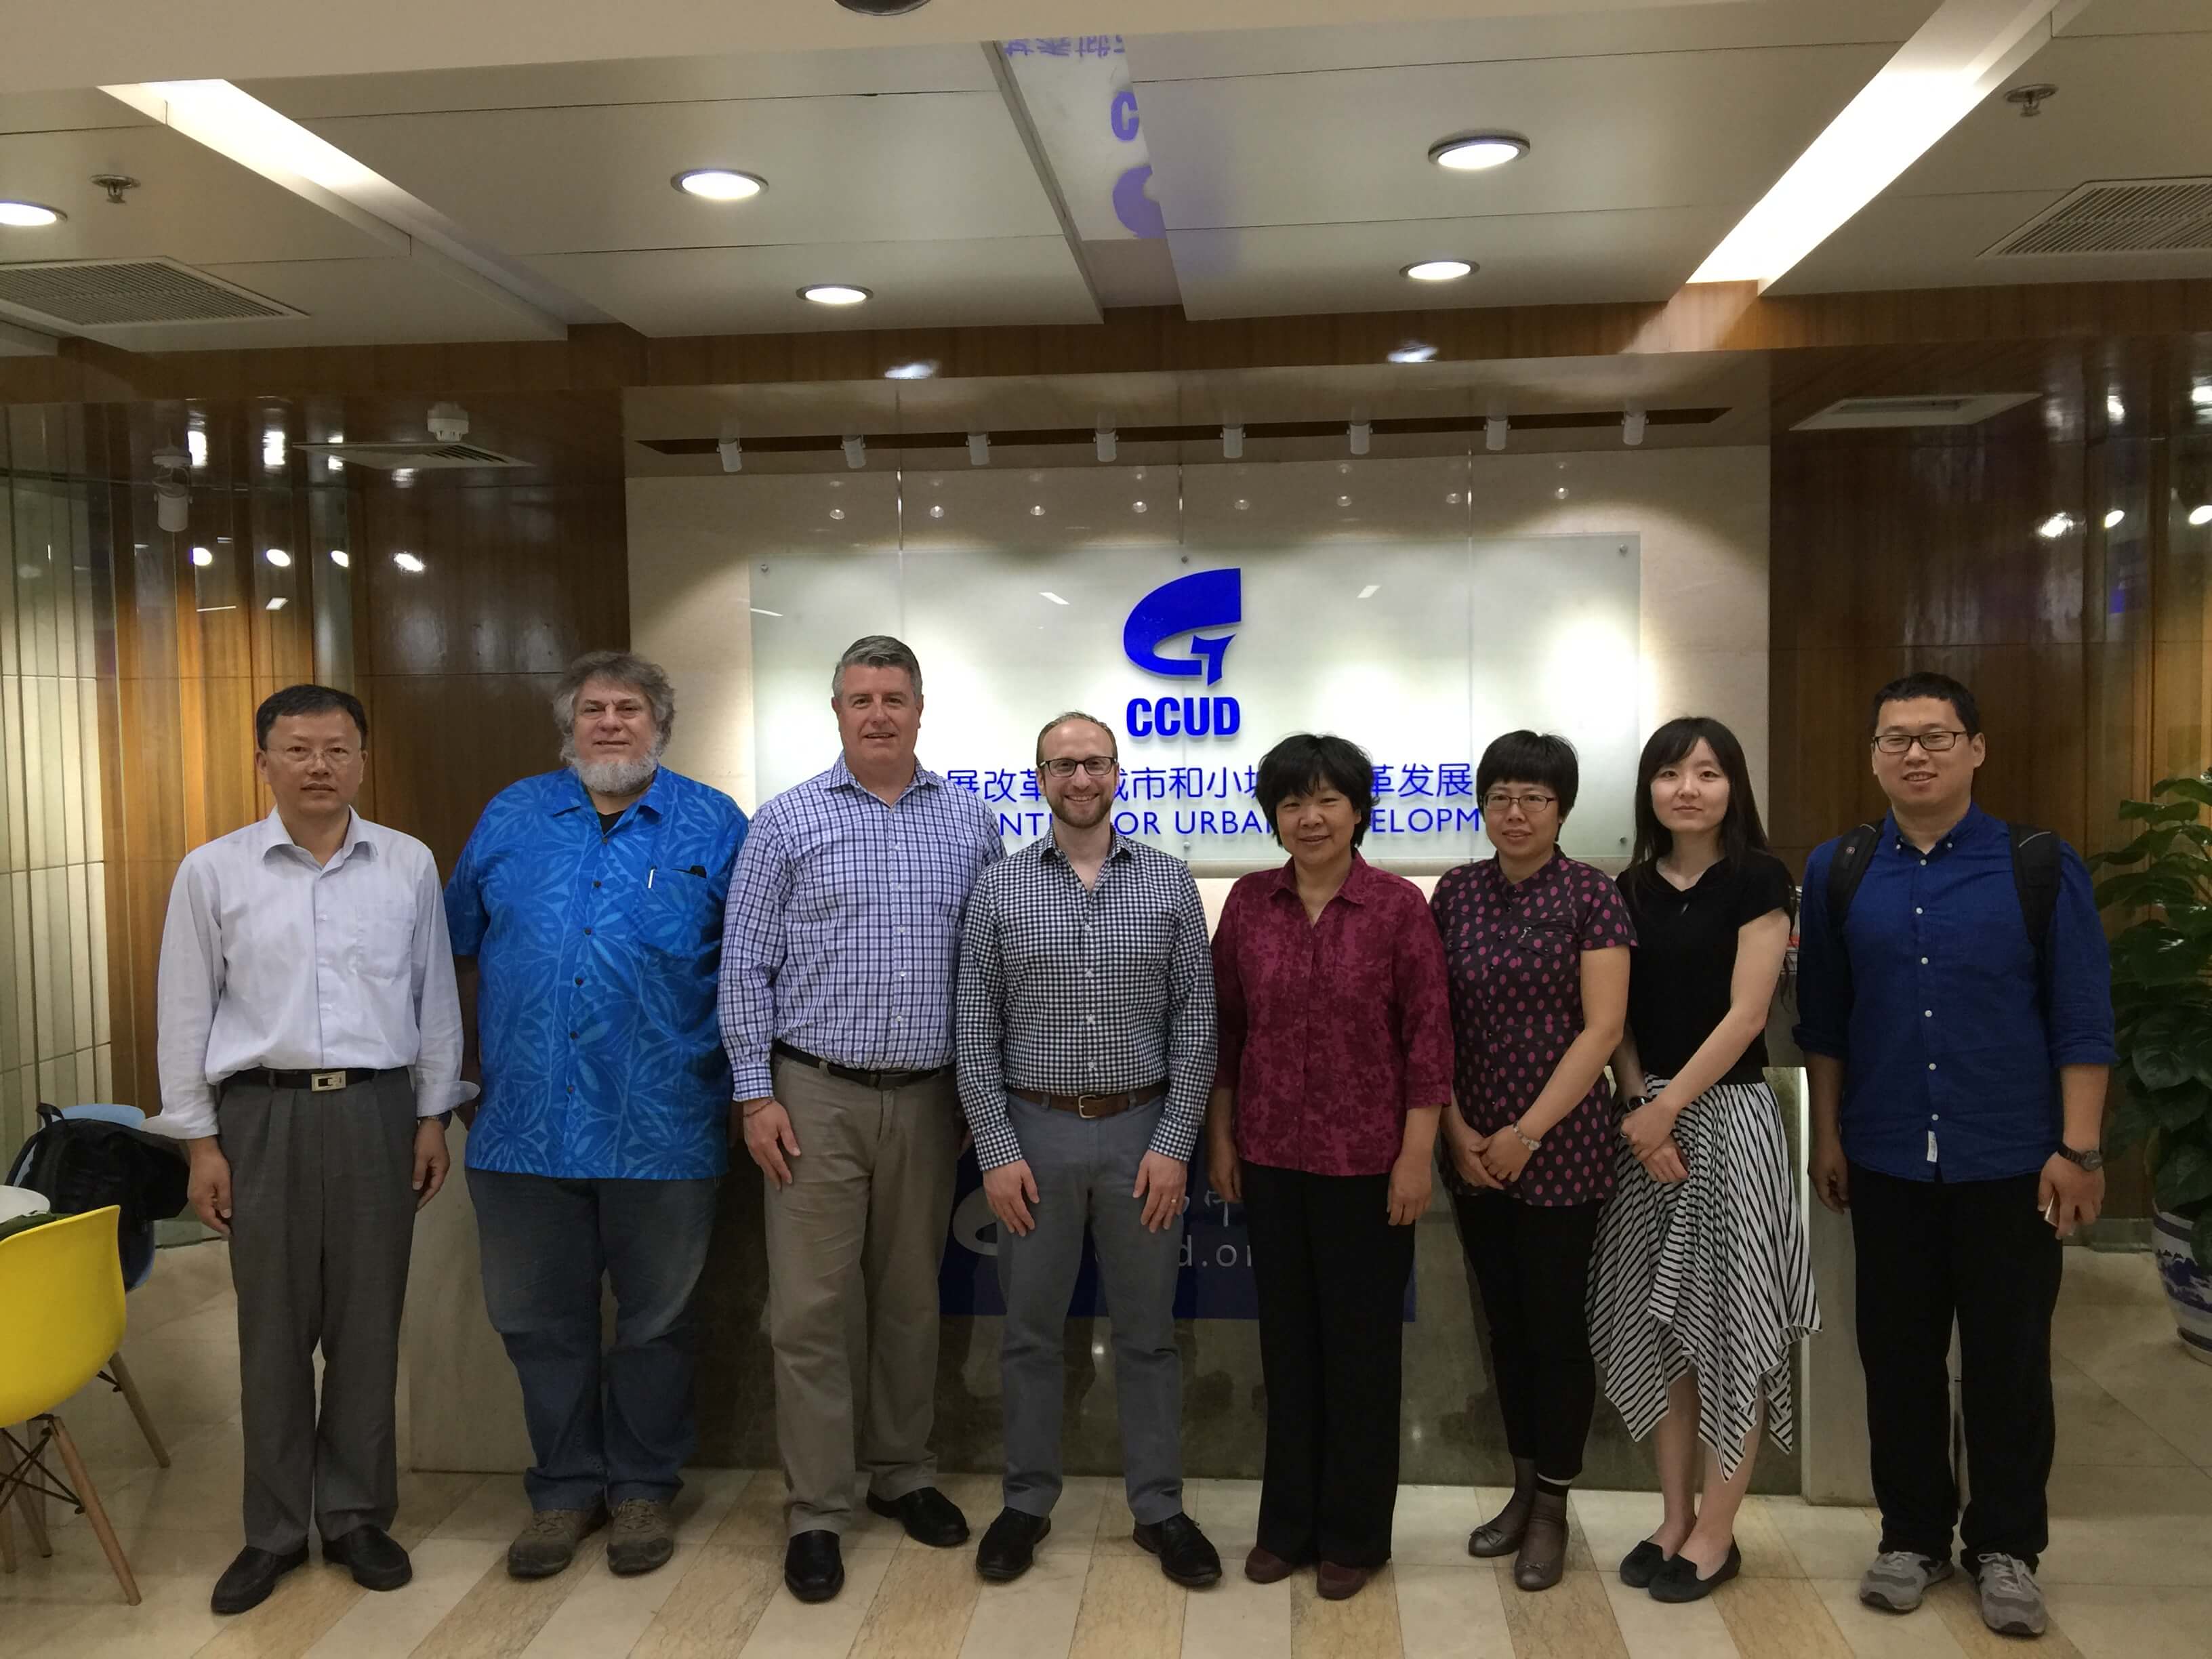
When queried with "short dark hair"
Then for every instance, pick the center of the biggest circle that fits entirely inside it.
(1527, 756)
(1911, 687)
(1307, 760)
(308, 700)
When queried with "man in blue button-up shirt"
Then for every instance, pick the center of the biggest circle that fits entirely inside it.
(592, 900)
(1958, 1094)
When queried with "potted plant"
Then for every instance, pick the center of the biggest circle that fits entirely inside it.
(2162, 1007)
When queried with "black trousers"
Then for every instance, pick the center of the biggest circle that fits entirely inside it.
(1531, 1261)
(1980, 1252)
(1330, 1272)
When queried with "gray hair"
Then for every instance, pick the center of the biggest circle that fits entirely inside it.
(1069, 719)
(623, 668)
(875, 651)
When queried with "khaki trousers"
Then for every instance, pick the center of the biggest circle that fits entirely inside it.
(853, 1247)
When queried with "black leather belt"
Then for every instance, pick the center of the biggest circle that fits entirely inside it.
(316, 1082)
(1093, 1106)
(854, 1074)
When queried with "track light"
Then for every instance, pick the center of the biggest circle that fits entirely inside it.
(1232, 443)
(1493, 433)
(979, 449)
(1632, 428)
(1360, 433)
(732, 452)
(1110, 443)
(856, 452)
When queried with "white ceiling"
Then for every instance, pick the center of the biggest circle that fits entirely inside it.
(1287, 155)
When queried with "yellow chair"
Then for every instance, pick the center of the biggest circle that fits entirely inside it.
(61, 1304)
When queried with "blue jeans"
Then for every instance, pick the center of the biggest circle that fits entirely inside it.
(612, 1426)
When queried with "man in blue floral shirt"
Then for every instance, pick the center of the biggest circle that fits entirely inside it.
(592, 901)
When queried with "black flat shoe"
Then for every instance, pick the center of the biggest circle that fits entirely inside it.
(247, 1582)
(1185, 1555)
(1641, 1564)
(928, 1515)
(1009, 1546)
(1678, 1580)
(813, 1568)
(377, 1562)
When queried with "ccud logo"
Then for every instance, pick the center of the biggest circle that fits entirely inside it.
(1203, 599)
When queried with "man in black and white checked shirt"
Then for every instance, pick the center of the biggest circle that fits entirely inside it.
(1085, 1020)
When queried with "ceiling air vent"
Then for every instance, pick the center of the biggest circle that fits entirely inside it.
(127, 293)
(2118, 215)
(427, 456)
(1941, 409)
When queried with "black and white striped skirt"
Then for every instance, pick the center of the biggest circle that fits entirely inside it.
(1710, 1275)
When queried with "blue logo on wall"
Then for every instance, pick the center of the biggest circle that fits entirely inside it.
(1203, 599)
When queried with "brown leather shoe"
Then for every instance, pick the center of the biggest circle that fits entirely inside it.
(1543, 1555)
(1266, 1567)
(1340, 1583)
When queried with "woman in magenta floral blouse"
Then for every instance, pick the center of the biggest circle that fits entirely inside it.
(1335, 1064)
(1536, 952)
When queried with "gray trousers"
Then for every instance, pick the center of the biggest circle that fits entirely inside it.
(1084, 1172)
(322, 1223)
(853, 1247)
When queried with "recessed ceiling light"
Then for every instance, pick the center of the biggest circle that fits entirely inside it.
(1437, 271)
(278, 557)
(2201, 396)
(719, 185)
(1138, 507)
(1477, 152)
(937, 509)
(28, 216)
(2113, 518)
(914, 370)
(1037, 512)
(2201, 514)
(203, 557)
(882, 7)
(1414, 351)
(196, 446)
(2055, 527)
(278, 602)
(834, 294)
(408, 562)
(341, 558)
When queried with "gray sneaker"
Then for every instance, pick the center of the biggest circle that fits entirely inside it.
(1899, 1578)
(644, 1537)
(2012, 1601)
(549, 1543)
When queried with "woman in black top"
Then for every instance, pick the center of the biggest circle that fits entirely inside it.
(1701, 1281)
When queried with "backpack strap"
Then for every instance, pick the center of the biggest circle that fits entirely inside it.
(2035, 875)
(1845, 871)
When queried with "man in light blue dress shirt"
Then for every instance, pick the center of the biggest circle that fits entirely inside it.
(592, 900)
(838, 958)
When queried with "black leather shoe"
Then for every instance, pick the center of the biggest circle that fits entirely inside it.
(813, 1570)
(928, 1515)
(1641, 1564)
(1009, 1545)
(1185, 1554)
(378, 1563)
(1678, 1581)
(247, 1582)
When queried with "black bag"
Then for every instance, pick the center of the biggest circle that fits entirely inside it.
(83, 1164)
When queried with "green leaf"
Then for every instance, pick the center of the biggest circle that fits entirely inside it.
(2196, 789)
(2160, 1067)
(2151, 953)
(2143, 887)
(2185, 1175)
(2177, 1111)
(2131, 1124)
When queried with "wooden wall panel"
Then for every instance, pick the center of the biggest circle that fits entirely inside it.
(442, 745)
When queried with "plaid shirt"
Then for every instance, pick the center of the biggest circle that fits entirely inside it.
(843, 933)
(1070, 990)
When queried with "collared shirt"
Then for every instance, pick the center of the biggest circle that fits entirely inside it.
(269, 958)
(1072, 990)
(843, 932)
(597, 952)
(1950, 1049)
(1331, 1031)
(1515, 955)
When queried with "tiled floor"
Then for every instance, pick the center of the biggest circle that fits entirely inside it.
(2128, 1573)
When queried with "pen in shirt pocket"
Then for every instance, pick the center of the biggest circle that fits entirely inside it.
(698, 869)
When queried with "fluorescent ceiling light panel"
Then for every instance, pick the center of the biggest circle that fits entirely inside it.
(1960, 56)
(29, 215)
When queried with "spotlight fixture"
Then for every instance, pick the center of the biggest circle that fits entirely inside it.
(1036, 510)
(2055, 527)
(856, 452)
(979, 449)
(834, 294)
(1138, 507)
(196, 446)
(1360, 434)
(882, 7)
(1478, 152)
(2113, 519)
(448, 422)
(1493, 433)
(921, 370)
(2201, 514)
(278, 557)
(29, 215)
(173, 494)
(937, 509)
(278, 602)
(272, 448)
(719, 185)
(408, 562)
(203, 557)
(732, 453)
(1437, 271)
(341, 558)
(1632, 428)
(1414, 351)
(1232, 443)
(1109, 443)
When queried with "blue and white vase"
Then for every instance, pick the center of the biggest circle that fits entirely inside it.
(2188, 1287)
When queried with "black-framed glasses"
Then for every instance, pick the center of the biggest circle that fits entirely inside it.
(1096, 765)
(1935, 743)
(1498, 800)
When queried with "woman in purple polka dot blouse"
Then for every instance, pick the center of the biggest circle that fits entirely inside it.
(1537, 965)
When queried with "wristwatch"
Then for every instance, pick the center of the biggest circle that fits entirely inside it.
(2093, 1160)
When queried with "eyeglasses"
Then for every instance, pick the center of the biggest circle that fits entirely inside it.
(1096, 765)
(1498, 800)
(1935, 743)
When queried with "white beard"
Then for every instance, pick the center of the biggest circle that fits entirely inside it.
(612, 777)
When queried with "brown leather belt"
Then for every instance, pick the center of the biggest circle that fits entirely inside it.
(1094, 1106)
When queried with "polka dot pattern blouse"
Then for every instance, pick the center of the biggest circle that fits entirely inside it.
(1513, 967)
